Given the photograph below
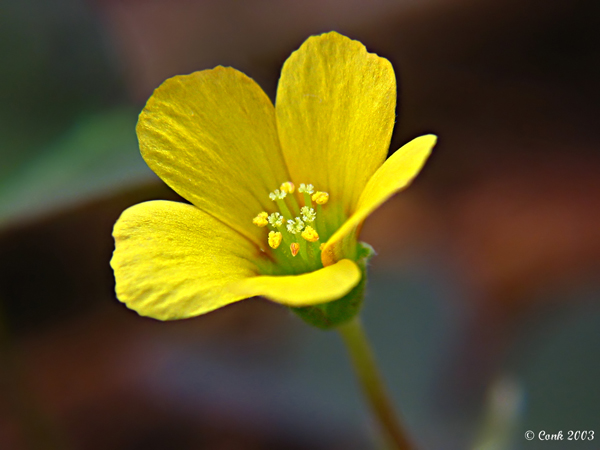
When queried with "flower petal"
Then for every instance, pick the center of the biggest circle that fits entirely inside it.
(320, 286)
(395, 174)
(212, 137)
(174, 261)
(335, 113)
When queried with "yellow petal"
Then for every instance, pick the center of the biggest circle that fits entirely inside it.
(211, 136)
(335, 113)
(395, 174)
(174, 261)
(320, 286)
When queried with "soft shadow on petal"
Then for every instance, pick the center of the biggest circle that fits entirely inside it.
(174, 261)
(212, 137)
(394, 175)
(320, 286)
(335, 114)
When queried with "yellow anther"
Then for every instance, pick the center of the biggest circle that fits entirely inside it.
(295, 247)
(261, 219)
(288, 187)
(310, 234)
(322, 246)
(320, 197)
(274, 239)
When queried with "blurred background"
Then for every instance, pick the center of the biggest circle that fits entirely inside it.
(484, 300)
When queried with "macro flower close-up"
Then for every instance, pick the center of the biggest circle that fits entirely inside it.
(278, 193)
(263, 225)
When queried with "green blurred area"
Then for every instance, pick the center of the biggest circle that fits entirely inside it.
(67, 129)
(96, 156)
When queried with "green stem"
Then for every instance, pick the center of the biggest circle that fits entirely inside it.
(307, 199)
(372, 384)
(321, 225)
(285, 212)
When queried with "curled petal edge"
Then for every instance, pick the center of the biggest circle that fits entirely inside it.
(395, 174)
(321, 286)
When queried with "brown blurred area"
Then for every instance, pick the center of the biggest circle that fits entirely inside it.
(507, 207)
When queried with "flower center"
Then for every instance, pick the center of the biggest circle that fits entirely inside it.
(297, 229)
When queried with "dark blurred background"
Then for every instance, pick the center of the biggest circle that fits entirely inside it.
(484, 300)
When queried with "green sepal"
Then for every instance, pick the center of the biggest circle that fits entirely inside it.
(330, 315)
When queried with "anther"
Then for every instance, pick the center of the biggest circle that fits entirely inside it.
(261, 219)
(322, 246)
(288, 187)
(294, 247)
(274, 239)
(320, 198)
(310, 234)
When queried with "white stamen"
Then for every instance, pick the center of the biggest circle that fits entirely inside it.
(277, 195)
(308, 214)
(295, 226)
(308, 188)
(276, 219)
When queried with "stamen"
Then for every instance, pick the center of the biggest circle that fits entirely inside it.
(308, 188)
(275, 238)
(296, 218)
(310, 234)
(277, 195)
(261, 219)
(320, 198)
(288, 187)
(276, 220)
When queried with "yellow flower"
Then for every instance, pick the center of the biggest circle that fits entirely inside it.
(312, 166)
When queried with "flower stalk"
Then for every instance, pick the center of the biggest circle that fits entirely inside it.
(372, 384)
